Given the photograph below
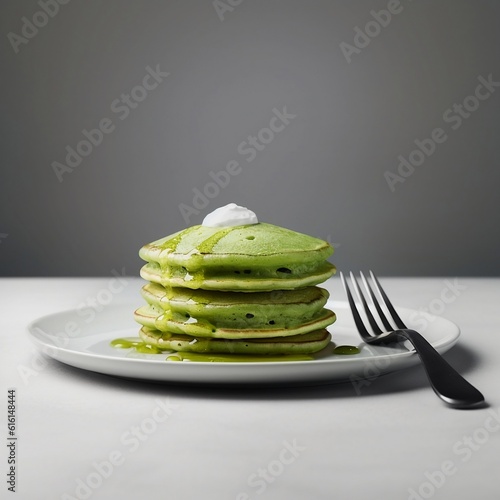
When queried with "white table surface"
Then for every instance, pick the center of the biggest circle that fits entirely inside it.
(393, 441)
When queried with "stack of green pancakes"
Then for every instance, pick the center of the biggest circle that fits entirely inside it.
(246, 289)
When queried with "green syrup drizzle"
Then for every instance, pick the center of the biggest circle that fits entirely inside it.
(136, 344)
(346, 349)
(208, 245)
(235, 358)
(140, 346)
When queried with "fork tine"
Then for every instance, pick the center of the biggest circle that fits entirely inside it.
(369, 314)
(355, 314)
(375, 302)
(390, 307)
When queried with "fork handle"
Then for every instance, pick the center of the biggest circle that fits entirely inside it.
(447, 383)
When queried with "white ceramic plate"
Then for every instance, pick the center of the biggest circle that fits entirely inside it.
(72, 339)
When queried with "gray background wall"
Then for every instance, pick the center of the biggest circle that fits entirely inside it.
(323, 174)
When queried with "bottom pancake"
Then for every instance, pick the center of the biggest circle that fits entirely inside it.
(296, 344)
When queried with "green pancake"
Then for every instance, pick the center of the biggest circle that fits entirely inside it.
(236, 310)
(153, 317)
(247, 289)
(255, 257)
(298, 344)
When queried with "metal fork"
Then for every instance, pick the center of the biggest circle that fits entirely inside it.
(447, 383)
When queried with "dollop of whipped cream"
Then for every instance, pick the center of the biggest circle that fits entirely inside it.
(230, 215)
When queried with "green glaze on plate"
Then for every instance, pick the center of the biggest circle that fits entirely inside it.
(236, 358)
(136, 344)
(346, 349)
(140, 346)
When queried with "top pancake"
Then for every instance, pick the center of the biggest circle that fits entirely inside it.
(243, 258)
